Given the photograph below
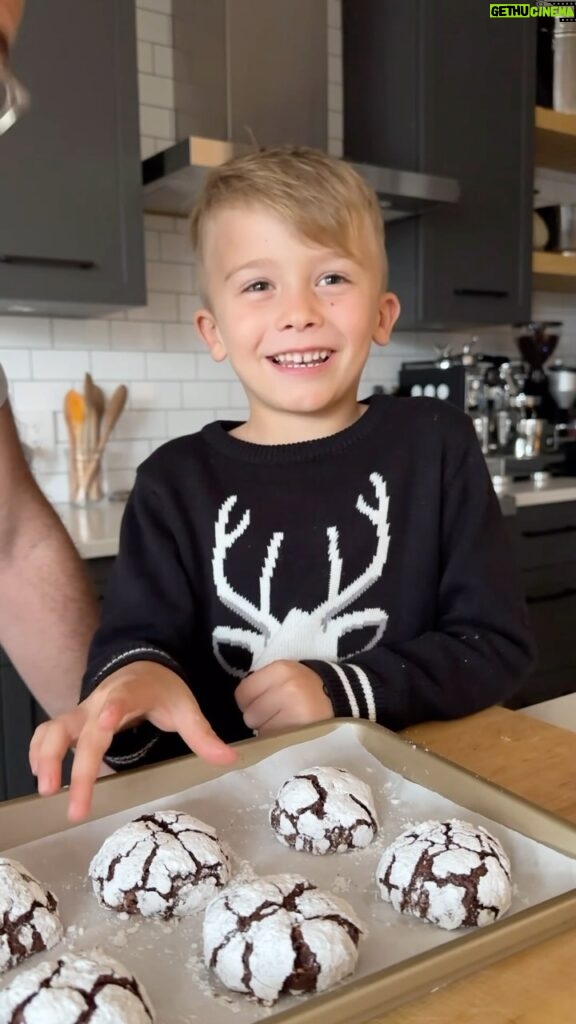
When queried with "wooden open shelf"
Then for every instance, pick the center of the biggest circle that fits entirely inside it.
(555, 142)
(552, 272)
(555, 148)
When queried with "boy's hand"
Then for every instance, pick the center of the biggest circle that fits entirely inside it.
(141, 690)
(282, 695)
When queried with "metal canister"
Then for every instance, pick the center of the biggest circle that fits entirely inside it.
(564, 84)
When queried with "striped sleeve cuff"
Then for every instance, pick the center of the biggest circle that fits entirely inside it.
(132, 747)
(141, 652)
(348, 687)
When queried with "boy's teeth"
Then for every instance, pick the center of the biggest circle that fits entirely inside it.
(297, 358)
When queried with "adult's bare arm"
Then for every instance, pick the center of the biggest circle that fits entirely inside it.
(10, 15)
(48, 612)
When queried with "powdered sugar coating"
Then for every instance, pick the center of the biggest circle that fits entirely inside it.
(81, 989)
(324, 810)
(450, 873)
(278, 935)
(29, 921)
(166, 864)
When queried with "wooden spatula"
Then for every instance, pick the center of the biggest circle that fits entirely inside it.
(95, 404)
(111, 416)
(74, 414)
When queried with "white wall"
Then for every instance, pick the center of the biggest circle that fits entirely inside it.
(174, 386)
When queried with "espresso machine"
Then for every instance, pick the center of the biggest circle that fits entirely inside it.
(458, 378)
(522, 412)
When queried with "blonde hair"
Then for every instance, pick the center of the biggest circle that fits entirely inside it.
(324, 199)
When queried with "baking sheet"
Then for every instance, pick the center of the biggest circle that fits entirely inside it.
(166, 956)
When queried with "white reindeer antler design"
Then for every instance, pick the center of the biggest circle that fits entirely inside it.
(301, 634)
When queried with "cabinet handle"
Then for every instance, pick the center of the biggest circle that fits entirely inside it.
(553, 531)
(558, 595)
(48, 261)
(489, 293)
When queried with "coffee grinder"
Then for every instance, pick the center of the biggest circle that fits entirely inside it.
(545, 435)
(537, 342)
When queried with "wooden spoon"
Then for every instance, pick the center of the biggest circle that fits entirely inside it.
(95, 404)
(111, 417)
(75, 414)
(99, 402)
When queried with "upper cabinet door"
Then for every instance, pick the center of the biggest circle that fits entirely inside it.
(70, 176)
(449, 91)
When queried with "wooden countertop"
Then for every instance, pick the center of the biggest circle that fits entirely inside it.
(538, 761)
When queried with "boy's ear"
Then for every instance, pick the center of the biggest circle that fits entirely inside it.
(388, 313)
(208, 330)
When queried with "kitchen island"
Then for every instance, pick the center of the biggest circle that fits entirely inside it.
(95, 529)
(537, 761)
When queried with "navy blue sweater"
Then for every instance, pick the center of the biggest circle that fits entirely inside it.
(377, 556)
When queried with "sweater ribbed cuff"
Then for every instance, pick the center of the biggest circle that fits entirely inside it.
(348, 687)
(141, 652)
(130, 748)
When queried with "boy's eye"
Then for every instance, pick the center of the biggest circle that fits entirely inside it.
(332, 279)
(257, 286)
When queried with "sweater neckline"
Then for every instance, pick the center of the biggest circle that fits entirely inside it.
(218, 436)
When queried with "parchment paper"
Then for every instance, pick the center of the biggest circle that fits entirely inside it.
(167, 956)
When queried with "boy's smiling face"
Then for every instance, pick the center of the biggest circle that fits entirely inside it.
(295, 319)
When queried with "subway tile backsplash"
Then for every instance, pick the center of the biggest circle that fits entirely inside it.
(175, 387)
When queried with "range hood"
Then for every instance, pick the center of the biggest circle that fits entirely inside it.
(173, 178)
(258, 73)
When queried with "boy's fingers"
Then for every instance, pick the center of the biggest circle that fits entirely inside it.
(35, 747)
(274, 725)
(197, 732)
(252, 687)
(90, 749)
(50, 744)
(262, 709)
(118, 710)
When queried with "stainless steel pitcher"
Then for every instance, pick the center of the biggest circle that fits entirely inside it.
(564, 81)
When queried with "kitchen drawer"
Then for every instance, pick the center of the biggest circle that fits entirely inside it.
(544, 686)
(551, 598)
(545, 534)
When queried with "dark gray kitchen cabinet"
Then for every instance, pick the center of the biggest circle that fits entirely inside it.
(20, 713)
(71, 233)
(544, 537)
(228, 85)
(441, 88)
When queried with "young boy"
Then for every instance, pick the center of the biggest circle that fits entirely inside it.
(328, 557)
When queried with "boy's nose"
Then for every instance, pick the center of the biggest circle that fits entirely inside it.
(300, 312)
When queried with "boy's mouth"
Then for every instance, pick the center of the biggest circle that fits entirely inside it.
(302, 359)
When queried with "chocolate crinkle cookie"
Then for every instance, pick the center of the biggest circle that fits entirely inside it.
(76, 989)
(166, 864)
(29, 921)
(280, 935)
(324, 810)
(450, 873)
